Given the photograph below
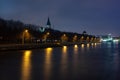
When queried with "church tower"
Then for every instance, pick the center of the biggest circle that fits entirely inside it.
(48, 23)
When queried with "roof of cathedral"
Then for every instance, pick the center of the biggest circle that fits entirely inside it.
(48, 21)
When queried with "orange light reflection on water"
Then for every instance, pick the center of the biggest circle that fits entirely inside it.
(48, 63)
(82, 45)
(26, 65)
(64, 60)
(88, 45)
(75, 59)
(64, 49)
(75, 49)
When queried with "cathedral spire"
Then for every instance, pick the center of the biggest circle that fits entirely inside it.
(48, 23)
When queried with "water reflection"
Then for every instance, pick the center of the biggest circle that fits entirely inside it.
(88, 46)
(116, 62)
(93, 45)
(26, 65)
(64, 55)
(75, 49)
(64, 61)
(75, 59)
(48, 63)
(82, 47)
(64, 49)
(109, 44)
(116, 44)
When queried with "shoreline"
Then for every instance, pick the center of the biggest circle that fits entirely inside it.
(11, 47)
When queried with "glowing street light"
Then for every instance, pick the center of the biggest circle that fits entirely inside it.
(48, 33)
(87, 39)
(81, 39)
(75, 38)
(64, 38)
(26, 30)
(23, 36)
(46, 36)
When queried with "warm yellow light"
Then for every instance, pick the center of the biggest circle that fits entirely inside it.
(95, 44)
(26, 30)
(64, 59)
(82, 37)
(49, 50)
(75, 46)
(88, 45)
(48, 33)
(48, 62)
(82, 45)
(75, 49)
(92, 44)
(75, 36)
(64, 35)
(26, 65)
(64, 49)
(27, 53)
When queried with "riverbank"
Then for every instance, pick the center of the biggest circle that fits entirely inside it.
(7, 47)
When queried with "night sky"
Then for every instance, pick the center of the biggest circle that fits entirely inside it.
(96, 17)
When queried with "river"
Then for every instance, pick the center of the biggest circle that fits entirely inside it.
(96, 61)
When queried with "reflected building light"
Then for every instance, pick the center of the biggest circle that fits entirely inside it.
(26, 65)
(82, 45)
(47, 63)
(75, 46)
(64, 61)
(92, 44)
(115, 40)
(75, 59)
(48, 50)
(75, 49)
(64, 49)
(95, 44)
(88, 45)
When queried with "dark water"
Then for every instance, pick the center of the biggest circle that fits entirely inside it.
(77, 62)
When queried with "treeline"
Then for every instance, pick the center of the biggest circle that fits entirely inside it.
(17, 32)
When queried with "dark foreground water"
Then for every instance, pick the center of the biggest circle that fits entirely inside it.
(77, 62)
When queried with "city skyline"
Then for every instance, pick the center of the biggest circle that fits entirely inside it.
(97, 17)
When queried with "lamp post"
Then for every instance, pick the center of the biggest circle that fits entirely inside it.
(64, 38)
(46, 36)
(23, 36)
(82, 39)
(75, 38)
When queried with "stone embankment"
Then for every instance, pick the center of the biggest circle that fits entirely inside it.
(7, 47)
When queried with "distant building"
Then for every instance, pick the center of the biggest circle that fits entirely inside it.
(48, 23)
(107, 38)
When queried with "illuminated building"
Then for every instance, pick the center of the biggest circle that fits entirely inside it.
(106, 38)
(109, 38)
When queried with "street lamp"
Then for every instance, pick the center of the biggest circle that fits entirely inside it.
(48, 33)
(64, 38)
(46, 36)
(87, 39)
(23, 36)
(75, 38)
(82, 39)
